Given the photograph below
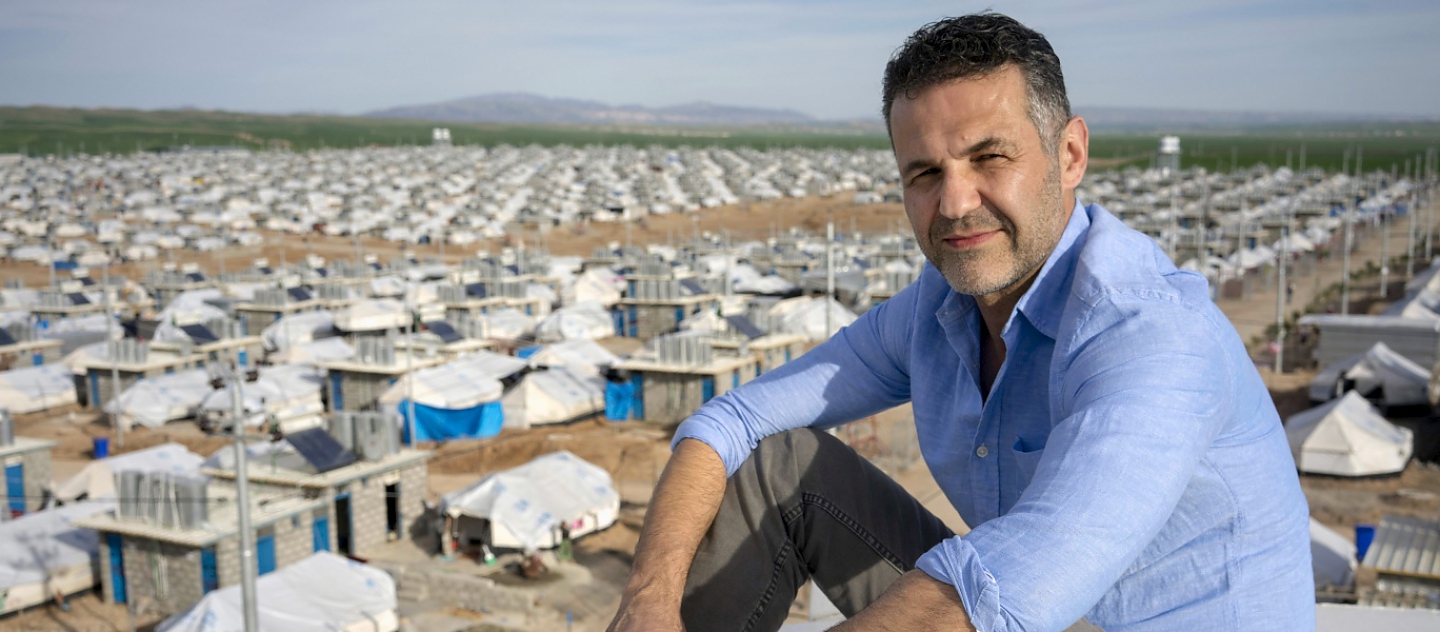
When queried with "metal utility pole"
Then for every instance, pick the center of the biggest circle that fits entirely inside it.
(114, 352)
(410, 372)
(242, 501)
(1384, 257)
(829, 272)
(1345, 270)
(1280, 296)
(1410, 242)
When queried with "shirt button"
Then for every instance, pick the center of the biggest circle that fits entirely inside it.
(982, 451)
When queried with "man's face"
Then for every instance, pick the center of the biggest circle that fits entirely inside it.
(981, 193)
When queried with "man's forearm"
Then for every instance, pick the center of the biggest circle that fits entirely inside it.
(916, 601)
(686, 500)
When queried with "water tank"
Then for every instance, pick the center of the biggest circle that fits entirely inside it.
(7, 428)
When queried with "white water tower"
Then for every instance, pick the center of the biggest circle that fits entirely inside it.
(440, 137)
(1168, 160)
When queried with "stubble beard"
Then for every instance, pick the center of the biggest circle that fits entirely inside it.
(1023, 251)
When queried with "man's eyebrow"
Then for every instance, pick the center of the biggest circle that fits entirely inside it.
(984, 144)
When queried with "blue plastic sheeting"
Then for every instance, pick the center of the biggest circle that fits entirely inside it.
(441, 424)
(619, 399)
(524, 353)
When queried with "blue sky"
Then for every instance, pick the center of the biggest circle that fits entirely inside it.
(821, 58)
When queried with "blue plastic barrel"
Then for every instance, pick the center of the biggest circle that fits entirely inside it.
(101, 447)
(1364, 535)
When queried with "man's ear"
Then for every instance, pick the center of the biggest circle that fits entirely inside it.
(1074, 152)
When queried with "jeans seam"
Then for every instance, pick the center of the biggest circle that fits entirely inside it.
(769, 588)
(816, 500)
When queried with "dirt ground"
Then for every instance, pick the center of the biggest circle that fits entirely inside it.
(635, 454)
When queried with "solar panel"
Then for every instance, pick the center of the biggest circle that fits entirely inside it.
(299, 294)
(692, 287)
(86, 281)
(445, 331)
(6, 338)
(744, 325)
(320, 449)
(199, 333)
(77, 298)
(476, 290)
(196, 277)
(322, 272)
(513, 269)
(266, 271)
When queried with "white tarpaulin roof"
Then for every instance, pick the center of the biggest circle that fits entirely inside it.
(1332, 557)
(1322, 386)
(322, 350)
(35, 545)
(97, 479)
(586, 321)
(1402, 380)
(321, 593)
(298, 328)
(465, 382)
(600, 285)
(372, 315)
(533, 499)
(36, 388)
(155, 401)
(806, 316)
(553, 395)
(584, 356)
(286, 391)
(508, 324)
(1347, 437)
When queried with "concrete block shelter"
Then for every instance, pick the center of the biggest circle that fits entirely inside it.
(26, 474)
(665, 394)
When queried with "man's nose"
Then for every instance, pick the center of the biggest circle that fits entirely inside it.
(958, 196)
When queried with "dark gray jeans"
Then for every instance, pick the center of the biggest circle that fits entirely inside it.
(805, 506)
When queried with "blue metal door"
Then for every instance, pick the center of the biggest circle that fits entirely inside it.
(321, 533)
(707, 389)
(15, 487)
(337, 400)
(209, 574)
(117, 566)
(265, 553)
(637, 401)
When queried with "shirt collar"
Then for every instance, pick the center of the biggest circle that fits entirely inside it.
(1044, 302)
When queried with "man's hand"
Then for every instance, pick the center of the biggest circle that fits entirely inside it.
(916, 601)
(681, 511)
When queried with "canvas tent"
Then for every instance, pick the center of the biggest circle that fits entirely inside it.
(288, 394)
(1347, 437)
(585, 321)
(154, 402)
(321, 593)
(525, 506)
(294, 329)
(805, 316)
(1400, 381)
(455, 400)
(97, 479)
(315, 352)
(599, 285)
(41, 555)
(36, 388)
(553, 395)
(1332, 557)
(582, 356)
(372, 315)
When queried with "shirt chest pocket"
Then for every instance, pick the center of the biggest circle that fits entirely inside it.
(1026, 453)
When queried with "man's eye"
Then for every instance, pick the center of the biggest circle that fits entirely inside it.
(985, 157)
(928, 172)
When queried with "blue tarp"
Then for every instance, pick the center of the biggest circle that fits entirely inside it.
(442, 424)
(619, 398)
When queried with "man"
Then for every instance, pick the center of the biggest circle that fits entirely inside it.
(1080, 401)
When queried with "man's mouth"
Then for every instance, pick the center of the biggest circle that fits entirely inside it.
(970, 240)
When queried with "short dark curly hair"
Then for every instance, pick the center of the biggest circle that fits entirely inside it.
(976, 45)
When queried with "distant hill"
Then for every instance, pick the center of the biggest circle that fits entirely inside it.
(1130, 119)
(534, 109)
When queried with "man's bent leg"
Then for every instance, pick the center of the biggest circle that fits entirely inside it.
(804, 504)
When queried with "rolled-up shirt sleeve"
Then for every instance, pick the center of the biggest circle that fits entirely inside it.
(1146, 393)
(860, 371)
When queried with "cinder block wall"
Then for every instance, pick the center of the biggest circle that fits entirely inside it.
(413, 486)
(36, 464)
(161, 576)
(367, 508)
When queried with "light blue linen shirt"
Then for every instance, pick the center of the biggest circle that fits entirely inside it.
(1128, 466)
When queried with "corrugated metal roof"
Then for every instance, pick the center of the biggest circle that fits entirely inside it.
(1406, 546)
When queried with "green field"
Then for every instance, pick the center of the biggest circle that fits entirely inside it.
(39, 131)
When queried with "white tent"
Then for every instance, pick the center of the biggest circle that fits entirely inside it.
(297, 329)
(553, 395)
(581, 356)
(599, 285)
(288, 394)
(188, 307)
(1324, 384)
(1401, 381)
(1332, 557)
(321, 593)
(464, 382)
(36, 388)
(315, 352)
(41, 555)
(805, 316)
(585, 321)
(1347, 437)
(372, 315)
(155, 401)
(97, 479)
(508, 324)
(526, 505)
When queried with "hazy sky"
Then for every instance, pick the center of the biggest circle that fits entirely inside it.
(822, 58)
